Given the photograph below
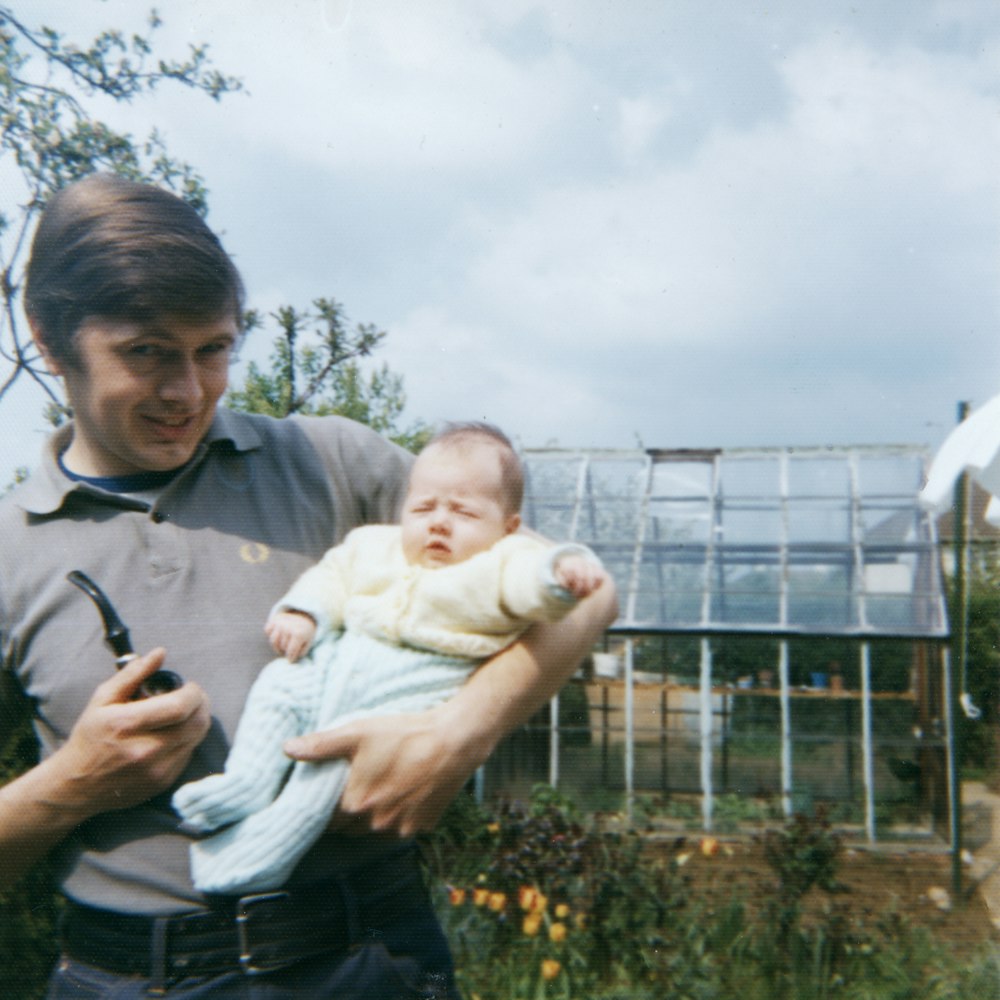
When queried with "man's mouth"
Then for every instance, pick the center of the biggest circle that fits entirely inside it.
(170, 427)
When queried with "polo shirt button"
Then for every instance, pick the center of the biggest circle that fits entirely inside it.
(159, 517)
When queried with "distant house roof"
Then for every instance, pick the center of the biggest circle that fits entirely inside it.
(785, 541)
(980, 530)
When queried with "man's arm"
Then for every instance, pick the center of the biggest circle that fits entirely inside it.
(405, 769)
(119, 753)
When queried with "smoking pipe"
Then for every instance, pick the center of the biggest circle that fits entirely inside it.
(117, 637)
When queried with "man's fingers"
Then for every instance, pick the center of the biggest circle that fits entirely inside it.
(327, 745)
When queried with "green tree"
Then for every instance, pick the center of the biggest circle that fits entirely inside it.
(315, 368)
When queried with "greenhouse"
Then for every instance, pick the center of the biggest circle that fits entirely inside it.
(780, 638)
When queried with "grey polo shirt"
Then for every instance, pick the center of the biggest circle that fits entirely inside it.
(196, 572)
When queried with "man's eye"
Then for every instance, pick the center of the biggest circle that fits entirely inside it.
(213, 350)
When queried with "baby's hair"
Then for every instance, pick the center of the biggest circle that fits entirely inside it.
(459, 433)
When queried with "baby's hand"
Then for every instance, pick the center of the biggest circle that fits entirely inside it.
(291, 633)
(580, 576)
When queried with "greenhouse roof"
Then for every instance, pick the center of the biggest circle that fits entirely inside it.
(784, 541)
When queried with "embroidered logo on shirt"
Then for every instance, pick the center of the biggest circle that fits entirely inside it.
(254, 553)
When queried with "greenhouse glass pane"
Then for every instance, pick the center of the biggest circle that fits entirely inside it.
(760, 523)
(745, 590)
(820, 593)
(681, 479)
(898, 475)
(551, 495)
(749, 478)
(819, 520)
(679, 522)
(612, 500)
(828, 476)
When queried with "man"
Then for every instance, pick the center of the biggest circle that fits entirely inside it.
(194, 520)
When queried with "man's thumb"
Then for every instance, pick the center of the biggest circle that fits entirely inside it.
(126, 683)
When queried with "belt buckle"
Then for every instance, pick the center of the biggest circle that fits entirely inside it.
(244, 906)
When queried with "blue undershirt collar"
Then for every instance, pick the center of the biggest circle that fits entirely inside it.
(136, 483)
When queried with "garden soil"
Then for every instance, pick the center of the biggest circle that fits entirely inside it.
(915, 882)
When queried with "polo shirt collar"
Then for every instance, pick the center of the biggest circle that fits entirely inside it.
(47, 487)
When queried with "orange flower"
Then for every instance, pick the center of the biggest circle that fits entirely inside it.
(550, 968)
(557, 933)
(709, 846)
(456, 897)
(497, 901)
(532, 922)
(562, 911)
(481, 897)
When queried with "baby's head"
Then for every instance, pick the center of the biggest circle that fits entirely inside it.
(464, 495)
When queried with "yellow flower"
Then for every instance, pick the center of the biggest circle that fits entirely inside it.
(550, 968)
(580, 920)
(493, 827)
(497, 901)
(709, 846)
(557, 933)
(531, 900)
(531, 924)
(562, 911)
(481, 897)
(456, 897)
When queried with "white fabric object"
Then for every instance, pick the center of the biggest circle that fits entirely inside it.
(973, 446)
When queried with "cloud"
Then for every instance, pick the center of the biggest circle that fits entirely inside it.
(831, 266)
(877, 175)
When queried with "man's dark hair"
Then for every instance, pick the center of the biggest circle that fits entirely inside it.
(112, 248)
(479, 432)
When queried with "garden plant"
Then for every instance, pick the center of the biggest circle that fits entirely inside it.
(540, 903)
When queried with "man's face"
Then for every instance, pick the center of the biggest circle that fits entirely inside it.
(143, 394)
(454, 506)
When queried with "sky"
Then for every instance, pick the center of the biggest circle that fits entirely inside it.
(673, 224)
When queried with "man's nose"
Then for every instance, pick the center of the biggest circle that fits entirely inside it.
(182, 383)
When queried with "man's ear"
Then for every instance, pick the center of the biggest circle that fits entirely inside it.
(513, 523)
(51, 362)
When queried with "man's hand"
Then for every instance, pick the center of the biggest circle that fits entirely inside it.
(404, 770)
(579, 575)
(121, 751)
(291, 633)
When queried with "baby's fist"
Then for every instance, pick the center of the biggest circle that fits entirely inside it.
(291, 633)
(579, 575)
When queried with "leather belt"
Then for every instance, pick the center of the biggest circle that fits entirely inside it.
(256, 933)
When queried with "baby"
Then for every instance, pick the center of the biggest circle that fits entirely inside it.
(393, 619)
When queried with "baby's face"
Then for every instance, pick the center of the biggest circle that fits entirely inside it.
(454, 506)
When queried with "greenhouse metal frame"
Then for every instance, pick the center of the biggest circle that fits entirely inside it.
(777, 542)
